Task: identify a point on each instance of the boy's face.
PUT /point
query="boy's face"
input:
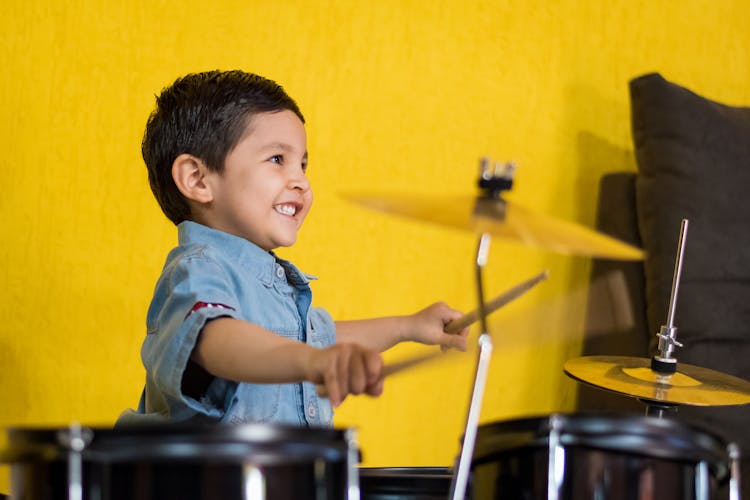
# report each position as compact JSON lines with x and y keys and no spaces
{"x":263,"y":194}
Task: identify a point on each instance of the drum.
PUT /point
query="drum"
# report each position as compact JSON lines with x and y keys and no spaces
{"x":185,"y":463}
{"x":405,"y":483}
{"x":590,"y":457}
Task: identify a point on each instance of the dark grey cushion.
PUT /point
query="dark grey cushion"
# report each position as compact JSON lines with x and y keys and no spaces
{"x":693,"y":157}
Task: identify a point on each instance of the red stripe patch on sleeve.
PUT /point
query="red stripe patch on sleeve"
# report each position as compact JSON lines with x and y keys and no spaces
{"x":201,"y":305}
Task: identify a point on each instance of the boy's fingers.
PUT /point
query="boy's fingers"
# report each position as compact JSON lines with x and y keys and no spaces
{"x":353,"y":370}
{"x":334,"y":382}
{"x":377,"y":389}
{"x":357,"y":373}
{"x":333,"y":392}
{"x":341,"y":375}
{"x":373,"y":366}
{"x":458,"y":342}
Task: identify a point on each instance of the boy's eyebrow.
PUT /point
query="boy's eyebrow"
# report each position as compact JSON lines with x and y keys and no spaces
{"x":282,"y":146}
{"x":278,"y":145}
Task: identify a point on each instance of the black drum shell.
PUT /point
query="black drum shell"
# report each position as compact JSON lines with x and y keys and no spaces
{"x":180,"y":462}
{"x":405,"y":483}
{"x":617,"y":457}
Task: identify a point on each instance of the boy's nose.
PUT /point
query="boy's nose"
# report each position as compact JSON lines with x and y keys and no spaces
{"x":298,"y":180}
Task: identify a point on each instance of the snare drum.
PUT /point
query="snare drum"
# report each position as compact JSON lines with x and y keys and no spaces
{"x":185,"y":463}
{"x":589,"y":457}
{"x":405,"y":483}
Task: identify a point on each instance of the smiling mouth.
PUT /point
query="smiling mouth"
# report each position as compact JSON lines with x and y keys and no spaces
{"x":286,"y":209}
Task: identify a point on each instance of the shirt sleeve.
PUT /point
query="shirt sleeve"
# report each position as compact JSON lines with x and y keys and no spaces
{"x":191,"y":291}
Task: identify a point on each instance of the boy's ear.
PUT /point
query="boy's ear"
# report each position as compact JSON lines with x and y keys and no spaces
{"x":189,"y":174}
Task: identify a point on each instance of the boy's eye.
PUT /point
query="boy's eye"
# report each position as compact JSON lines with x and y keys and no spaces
{"x":277,"y":159}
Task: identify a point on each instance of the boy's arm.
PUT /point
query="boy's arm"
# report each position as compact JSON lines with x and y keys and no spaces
{"x":245,"y":352}
{"x":425,"y":326}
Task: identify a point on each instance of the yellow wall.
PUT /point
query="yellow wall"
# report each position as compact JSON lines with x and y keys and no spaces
{"x":399,"y":95}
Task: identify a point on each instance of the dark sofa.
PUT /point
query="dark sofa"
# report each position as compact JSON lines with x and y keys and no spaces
{"x":693,"y":159}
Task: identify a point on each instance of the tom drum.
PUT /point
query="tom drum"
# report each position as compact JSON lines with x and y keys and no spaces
{"x":185,"y":463}
{"x":591,"y":457}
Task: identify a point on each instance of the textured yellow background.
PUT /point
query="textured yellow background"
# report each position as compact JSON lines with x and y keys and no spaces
{"x":399,"y":95}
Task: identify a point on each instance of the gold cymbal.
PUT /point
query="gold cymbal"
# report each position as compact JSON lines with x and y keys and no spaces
{"x":689,"y":385}
{"x":501,"y":218}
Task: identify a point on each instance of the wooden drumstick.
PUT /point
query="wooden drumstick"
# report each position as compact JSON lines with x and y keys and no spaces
{"x":467,"y":319}
{"x":493,"y":305}
{"x":456,"y":326}
{"x":399,"y":366}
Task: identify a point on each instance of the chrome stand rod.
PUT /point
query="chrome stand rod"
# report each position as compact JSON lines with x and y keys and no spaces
{"x":463,"y":467}
{"x":677,"y":272}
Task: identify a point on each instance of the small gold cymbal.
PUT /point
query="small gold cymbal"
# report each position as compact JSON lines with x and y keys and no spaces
{"x":501,"y":218}
{"x":689,"y":385}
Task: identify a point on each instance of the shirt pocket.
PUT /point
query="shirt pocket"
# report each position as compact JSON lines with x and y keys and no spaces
{"x":320,"y":328}
{"x":254,"y":403}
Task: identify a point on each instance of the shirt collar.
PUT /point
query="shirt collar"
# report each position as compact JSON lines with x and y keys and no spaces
{"x":242,"y":252}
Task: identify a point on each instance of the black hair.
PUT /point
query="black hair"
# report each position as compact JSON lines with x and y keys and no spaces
{"x":204,"y":115}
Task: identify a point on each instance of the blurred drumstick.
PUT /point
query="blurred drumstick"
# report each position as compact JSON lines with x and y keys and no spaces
{"x":467,"y":319}
{"x":457,"y":325}
{"x":610,"y":288}
{"x":398,"y":366}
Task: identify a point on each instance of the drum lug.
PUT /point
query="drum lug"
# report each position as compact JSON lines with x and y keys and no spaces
{"x":734,"y":468}
{"x":352,"y":470}
{"x":556,"y":459}
{"x":75,"y":439}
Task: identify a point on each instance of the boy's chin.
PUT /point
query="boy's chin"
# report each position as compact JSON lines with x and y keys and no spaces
{"x":284,"y":242}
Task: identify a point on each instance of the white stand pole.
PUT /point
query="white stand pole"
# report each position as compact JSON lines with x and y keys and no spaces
{"x":463,"y":467}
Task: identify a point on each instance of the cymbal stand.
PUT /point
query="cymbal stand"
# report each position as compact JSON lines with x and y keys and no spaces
{"x":662,"y":363}
{"x":461,"y":474}
{"x":665,"y":366}
{"x":489,"y":204}
{"x":658,"y":409}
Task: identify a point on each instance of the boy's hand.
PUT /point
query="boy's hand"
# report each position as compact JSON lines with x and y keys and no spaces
{"x":427,"y":327}
{"x":344,"y":369}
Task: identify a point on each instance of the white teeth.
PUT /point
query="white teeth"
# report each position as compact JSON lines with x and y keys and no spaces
{"x":286,"y":209}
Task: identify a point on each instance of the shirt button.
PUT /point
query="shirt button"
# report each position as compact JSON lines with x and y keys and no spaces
{"x":280,"y":272}
{"x":311,"y":411}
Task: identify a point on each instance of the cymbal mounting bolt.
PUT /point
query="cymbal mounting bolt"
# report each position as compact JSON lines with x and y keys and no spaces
{"x":494,"y":178}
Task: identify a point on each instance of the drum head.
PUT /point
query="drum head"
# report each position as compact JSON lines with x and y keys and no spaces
{"x":266,"y":444}
{"x":590,"y":456}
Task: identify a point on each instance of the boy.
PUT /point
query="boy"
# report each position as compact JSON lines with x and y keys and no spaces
{"x":232,"y":336}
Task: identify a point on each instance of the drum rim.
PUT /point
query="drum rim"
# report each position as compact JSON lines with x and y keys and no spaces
{"x":419,"y":471}
{"x":266,"y":442}
{"x":404,"y":482}
{"x":601,"y":430}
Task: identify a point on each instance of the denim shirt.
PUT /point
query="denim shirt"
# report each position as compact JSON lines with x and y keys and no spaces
{"x":214,"y":274}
